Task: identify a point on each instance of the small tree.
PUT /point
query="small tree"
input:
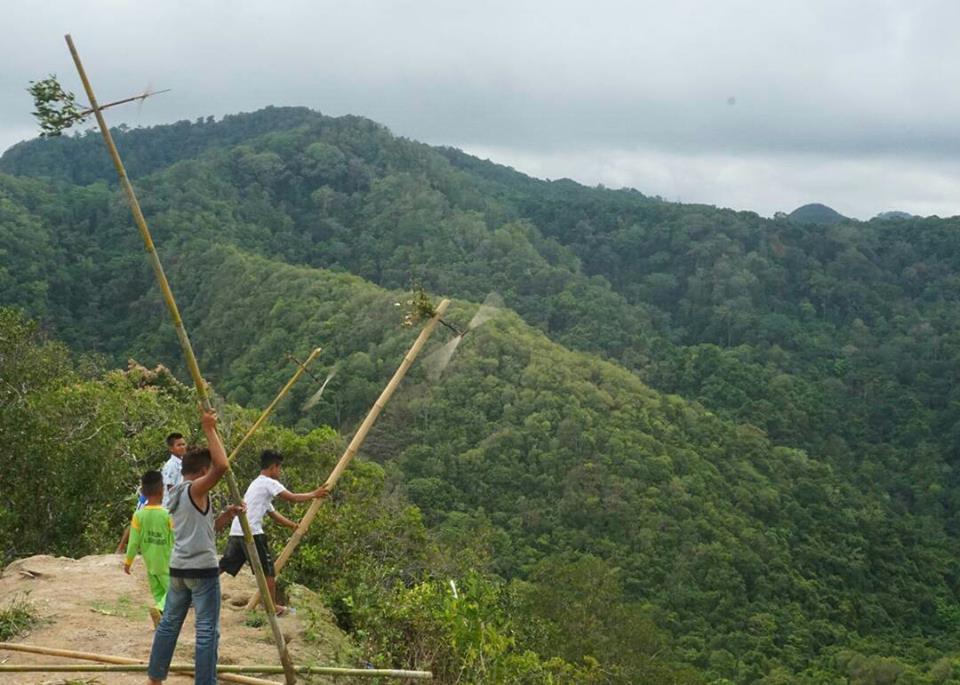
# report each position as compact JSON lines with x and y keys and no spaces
{"x":56,"y":109}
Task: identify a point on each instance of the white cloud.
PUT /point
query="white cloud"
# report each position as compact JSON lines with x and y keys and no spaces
{"x":862,"y":83}
{"x":765,"y":184}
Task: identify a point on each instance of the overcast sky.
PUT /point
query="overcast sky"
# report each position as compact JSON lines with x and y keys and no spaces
{"x":751,"y":104}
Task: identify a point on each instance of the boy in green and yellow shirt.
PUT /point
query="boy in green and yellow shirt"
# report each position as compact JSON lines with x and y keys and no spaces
{"x":151,"y":533}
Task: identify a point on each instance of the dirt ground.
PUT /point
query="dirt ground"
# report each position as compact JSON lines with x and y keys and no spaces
{"x":90,"y":605}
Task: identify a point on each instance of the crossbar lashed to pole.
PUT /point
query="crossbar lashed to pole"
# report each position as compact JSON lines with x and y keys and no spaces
{"x":189,"y":356}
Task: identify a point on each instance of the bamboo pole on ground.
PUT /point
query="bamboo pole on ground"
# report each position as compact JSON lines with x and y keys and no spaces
{"x":221,"y":669}
{"x":107,"y":658}
{"x":188,"y":354}
{"x":358,"y":439}
{"x":301,"y":368}
{"x":228,"y":671}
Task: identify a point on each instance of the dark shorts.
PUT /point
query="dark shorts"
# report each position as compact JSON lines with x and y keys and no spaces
{"x":235,"y":556}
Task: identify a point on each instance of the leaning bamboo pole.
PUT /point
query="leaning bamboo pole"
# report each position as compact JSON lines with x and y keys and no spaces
{"x":301,"y":368}
{"x":358,"y":439}
{"x":188,"y":354}
{"x":221,"y":669}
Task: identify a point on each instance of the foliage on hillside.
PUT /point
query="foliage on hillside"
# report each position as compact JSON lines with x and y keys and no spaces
{"x":76,"y":440}
{"x":805,"y":502}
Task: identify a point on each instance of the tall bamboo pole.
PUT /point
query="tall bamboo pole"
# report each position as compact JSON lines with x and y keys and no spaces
{"x":188,"y":354}
{"x":358,"y":439}
{"x":301,"y":368}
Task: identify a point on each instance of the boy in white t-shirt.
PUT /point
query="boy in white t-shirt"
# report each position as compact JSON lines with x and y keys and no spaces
{"x":259,"y":501}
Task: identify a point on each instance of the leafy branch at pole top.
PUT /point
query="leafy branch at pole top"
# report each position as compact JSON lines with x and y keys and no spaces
{"x":56,"y":109}
{"x":418,"y":308}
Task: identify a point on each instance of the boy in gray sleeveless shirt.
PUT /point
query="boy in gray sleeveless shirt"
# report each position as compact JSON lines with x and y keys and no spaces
{"x":194,"y":575}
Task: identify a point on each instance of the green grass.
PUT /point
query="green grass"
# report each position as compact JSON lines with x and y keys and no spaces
{"x":17,"y":618}
{"x":255,"y":619}
{"x":123,"y":607}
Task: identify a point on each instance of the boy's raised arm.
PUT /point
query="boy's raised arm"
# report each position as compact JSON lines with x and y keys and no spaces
{"x":218,"y":455}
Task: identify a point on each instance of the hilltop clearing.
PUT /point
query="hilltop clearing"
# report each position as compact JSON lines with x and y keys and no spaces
{"x":90,"y":605}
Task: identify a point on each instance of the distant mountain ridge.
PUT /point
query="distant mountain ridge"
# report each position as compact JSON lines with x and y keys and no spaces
{"x":81,"y":159}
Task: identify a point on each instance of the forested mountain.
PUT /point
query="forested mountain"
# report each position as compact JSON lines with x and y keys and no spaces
{"x":816,"y":213}
{"x":895,"y":214}
{"x":744,"y":428}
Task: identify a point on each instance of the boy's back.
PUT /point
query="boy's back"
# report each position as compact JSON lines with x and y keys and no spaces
{"x":195,"y":550}
{"x":151,"y":531}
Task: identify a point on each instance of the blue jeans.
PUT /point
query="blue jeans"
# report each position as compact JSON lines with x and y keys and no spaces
{"x":205,"y":595}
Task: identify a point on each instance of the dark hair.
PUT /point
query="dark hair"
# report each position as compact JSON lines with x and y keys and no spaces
{"x":151,"y":483}
{"x":270,"y":457}
{"x":195,"y":460}
{"x":172,"y":438}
